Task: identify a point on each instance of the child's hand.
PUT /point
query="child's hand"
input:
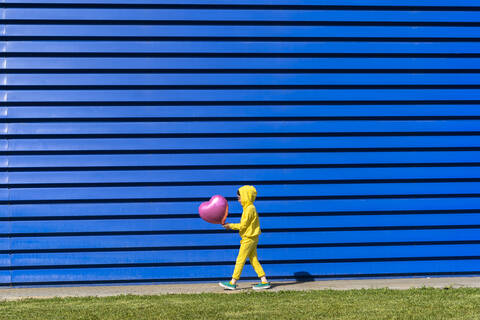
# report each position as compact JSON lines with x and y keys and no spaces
{"x":226,"y":226}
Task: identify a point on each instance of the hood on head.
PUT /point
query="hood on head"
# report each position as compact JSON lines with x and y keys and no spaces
{"x":248,"y":195}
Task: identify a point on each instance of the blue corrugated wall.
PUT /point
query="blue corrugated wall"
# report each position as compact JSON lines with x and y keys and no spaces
{"x":357,"y":121}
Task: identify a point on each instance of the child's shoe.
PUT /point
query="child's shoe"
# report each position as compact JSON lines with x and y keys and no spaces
{"x":261,"y":286}
{"x":227,"y":285}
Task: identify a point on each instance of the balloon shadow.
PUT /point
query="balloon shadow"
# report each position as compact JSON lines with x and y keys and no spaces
{"x":303,"y":276}
{"x":300,"y":277}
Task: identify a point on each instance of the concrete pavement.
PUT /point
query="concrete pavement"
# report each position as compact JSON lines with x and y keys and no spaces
{"x":103,"y":291}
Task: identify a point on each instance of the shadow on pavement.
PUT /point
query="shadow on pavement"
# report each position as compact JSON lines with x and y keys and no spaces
{"x":300,"y":277}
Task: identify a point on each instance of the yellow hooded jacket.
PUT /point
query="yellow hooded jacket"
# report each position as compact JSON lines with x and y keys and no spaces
{"x":249,"y":226}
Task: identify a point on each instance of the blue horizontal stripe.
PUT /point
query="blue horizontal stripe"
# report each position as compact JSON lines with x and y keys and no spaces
{"x":239,"y":63}
{"x":241,"y":47}
{"x":237,"y":15}
{"x":237,"y":31}
{"x":465,"y":3}
{"x":246,"y":175}
{"x":279,"y":254}
{"x":186,"y":192}
{"x":278,"y":96}
{"x":263,"y":143}
{"x":286,"y":270}
{"x":276,"y":79}
{"x":119,"y":113}
{"x":243,"y":127}
{"x":280,"y":207}
{"x":284,"y":222}
{"x":228,"y":238}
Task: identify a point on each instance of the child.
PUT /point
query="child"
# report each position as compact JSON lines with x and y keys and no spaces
{"x":249,"y":229}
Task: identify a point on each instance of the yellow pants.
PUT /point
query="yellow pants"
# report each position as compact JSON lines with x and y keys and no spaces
{"x":248,"y":248}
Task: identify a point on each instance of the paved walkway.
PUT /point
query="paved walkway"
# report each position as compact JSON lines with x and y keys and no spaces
{"x":103,"y":291}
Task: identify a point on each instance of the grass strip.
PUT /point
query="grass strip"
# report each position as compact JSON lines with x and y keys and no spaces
{"x":422,"y":303}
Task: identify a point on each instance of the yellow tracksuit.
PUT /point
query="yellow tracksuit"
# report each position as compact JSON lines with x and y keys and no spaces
{"x":249,"y":229}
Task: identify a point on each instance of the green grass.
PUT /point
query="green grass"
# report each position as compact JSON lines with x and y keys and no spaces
{"x":372,"y":304}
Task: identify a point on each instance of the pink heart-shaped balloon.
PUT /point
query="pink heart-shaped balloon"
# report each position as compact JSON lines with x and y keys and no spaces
{"x":215,"y":210}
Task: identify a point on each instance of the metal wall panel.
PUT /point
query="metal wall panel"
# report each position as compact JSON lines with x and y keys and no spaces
{"x":357,"y":121}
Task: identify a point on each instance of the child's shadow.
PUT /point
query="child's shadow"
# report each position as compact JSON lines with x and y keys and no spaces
{"x":300,"y":277}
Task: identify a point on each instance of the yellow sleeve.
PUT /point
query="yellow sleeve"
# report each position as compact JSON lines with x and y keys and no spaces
{"x":244,"y":221}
